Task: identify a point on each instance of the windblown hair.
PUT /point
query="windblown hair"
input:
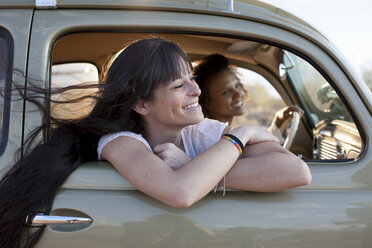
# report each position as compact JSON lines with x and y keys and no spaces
{"x":205,"y":73}
{"x":31,"y":184}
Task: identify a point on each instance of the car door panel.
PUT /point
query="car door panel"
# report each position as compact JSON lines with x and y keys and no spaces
{"x":129,"y":218}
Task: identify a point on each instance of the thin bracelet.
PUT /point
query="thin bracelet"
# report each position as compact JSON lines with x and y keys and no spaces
{"x":221,"y":187}
{"x":235,"y":141}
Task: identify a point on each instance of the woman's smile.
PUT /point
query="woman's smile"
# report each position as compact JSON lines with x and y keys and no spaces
{"x":192,"y":106}
{"x":238,"y":104}
{"x":227,"y":96}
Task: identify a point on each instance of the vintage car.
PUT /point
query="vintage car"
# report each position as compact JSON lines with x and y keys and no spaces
{"x":51,"y":43}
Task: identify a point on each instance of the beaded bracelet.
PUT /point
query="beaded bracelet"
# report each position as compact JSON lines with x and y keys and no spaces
{"x":235,"y":141}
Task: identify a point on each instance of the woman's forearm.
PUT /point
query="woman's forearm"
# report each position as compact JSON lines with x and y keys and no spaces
{"x":205,"y":170}
{"x":196,"y":178}
{"x":270,"y":171}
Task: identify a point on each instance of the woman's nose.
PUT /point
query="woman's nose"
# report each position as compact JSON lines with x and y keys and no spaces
{"x":194,"y":89}
{"x":238,"y":93}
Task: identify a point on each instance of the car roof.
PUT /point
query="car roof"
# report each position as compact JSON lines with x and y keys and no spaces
{"x":245,"y":9}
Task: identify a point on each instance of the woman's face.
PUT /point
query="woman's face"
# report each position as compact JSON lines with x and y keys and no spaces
{"x":176,"y":104}
{"x":226,"y":96}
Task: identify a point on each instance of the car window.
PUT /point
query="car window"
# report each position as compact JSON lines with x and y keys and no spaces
{"x":335,"y":135}
{"x":317,"y":95}
{"x":324,"y":130}
{"x":263,"y":100}
{"x":6,"y":61}
{"x":69,"y":74}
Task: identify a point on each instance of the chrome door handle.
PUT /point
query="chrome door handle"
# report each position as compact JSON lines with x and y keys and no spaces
{"x":41,"y":219}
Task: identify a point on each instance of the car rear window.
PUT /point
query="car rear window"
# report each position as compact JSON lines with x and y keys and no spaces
{"x":6,"y":67}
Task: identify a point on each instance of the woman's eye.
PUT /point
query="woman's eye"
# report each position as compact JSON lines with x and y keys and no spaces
{"x":226,"y":92}
{"x":238,"y":85}
{"x":178,"y":86}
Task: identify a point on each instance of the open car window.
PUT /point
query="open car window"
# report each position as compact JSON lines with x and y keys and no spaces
{"x":316,"y":94}
{"x":69,"y":74}
{"x":335,"y":135}
{"x":326,"y":131}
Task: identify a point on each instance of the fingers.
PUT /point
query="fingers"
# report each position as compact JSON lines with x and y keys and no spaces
{"x":260,"y":134}
{"x":271,"y":137}
{"x":166,"y":150}
{"x":164,"y":155}
{"x":158,"y":148}
{"x":163,"y":147}
{"x":161,"y":151}
{"x":171,"y":155}
{"x":274,"y":139}
{"x":288,"y":111}
{"x":294,"y":108}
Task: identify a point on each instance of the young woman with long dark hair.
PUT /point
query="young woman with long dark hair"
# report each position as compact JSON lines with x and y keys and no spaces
{"x":148,"y":124}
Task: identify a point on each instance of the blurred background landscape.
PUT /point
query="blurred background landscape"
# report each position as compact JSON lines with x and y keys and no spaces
{"x":347,"y":23}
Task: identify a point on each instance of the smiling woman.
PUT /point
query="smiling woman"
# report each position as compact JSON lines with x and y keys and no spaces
{"x":223,"y":95}
{"x":148,"y":124}
{"x":174,"y":104}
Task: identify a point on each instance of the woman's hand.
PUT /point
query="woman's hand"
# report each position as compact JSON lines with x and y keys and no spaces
{"x":173,"y":156}
{"x":250,"y":134}
{"x":283,"y":116}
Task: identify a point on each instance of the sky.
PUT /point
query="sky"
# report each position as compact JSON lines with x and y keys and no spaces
{"x":347,"y":23}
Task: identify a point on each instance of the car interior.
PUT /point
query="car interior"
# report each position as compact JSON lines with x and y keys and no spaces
{"x":275,"y":77}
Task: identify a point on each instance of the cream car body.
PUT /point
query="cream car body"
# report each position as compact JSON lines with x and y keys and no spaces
{"x":335,"y":210}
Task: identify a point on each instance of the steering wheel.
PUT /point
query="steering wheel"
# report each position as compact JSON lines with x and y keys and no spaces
{"x":291,"y":133}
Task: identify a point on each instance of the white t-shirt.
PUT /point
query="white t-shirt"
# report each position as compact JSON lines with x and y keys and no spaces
{"x":196,"y":138}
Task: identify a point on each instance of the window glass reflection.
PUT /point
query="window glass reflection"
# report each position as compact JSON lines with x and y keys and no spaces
{"x":315,"y":92}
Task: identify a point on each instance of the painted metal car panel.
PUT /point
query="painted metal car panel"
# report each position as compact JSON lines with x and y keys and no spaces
{"x":17,"y":24}
{"x":333,"y":211}
{"x":302,"y":218}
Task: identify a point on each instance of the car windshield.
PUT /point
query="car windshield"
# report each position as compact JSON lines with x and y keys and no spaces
{"x":316,"y":94}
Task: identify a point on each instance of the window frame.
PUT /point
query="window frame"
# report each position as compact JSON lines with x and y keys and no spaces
{"x":315,"y":50}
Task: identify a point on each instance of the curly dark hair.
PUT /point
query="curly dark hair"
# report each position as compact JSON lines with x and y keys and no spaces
{"x":205,"y":73}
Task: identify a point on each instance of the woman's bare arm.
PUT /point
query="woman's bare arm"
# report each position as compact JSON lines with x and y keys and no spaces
{"x":178,"y":188}
{"x":188,"y":184}
{"x":267,"y":167}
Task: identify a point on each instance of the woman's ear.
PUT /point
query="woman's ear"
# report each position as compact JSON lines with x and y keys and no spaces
{"x":141,"y":107}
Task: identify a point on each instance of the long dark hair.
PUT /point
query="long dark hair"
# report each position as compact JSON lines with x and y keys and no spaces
{"x":31,"y":184}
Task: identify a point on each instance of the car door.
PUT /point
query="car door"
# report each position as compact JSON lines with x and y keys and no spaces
{"x":333,"y":211}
